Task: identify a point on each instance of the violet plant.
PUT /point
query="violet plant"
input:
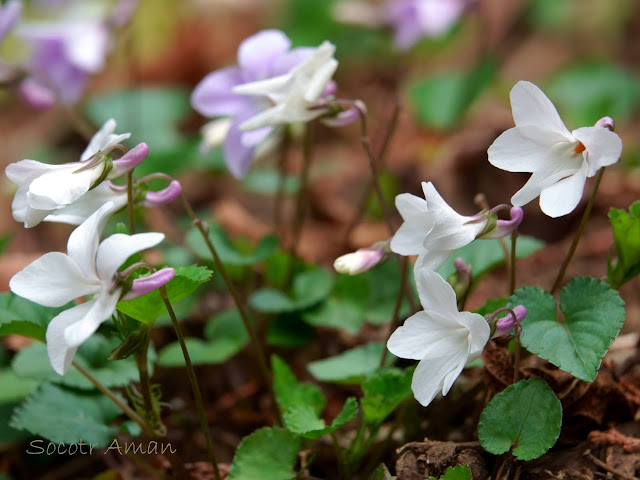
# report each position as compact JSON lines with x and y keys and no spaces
{"x":103,"y":290}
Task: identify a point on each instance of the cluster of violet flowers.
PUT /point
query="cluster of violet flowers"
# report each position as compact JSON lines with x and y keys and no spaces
{"x":66,"y":49}
{"x":82,"y":193}
{"x":443,"y":339}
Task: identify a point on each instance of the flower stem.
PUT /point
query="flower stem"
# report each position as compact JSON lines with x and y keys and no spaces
{"x":576,"y":238}
{"x":512,"y":264}
{"x":283,"y":162}
{"x":259,"y":353}
{"x":132,"y":222}
{"x":195,"y":387}
{"x":152,"y":417}
{"x":516,"y":354}
{"x":395,"y":322}
{"x":128,"y":411}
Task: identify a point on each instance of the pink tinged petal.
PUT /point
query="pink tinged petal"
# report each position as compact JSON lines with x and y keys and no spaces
{"x":114,"y":251}
{"x":257,"y":53}
{"x":432,"y":372}
{"x":505,"y":227}
{"x":237,"y":155}
{"x":88,"y":204}
{"x":60,"y":353}
{"x":104,"y":304}
{"x":213,"y":96}
{"x":36,"y":94}
{"x":254,"y":137}
{"x":417,"y":224}
{"x":142,"y":286}
{"x":359,"y":261}
{"x":53,"y":280}
{"x":104,"y":139}
{"x":63,"y":186}
{"x":530,"y":106}
{"x":435,"y":293}
{"x":9,"y":16}
{"x":603,"y":147}
{"x":129,"y":160}
{"x":342,"y":119}
{"x":420,"y":332}
{"x":479,"y":332}
{"x":564,"y":196}
{"x":523,"y":149}
{"x":606,"y":122}
{"x":82,"y":245}
{"x":167,"y":195}
{"x":505,"y":324}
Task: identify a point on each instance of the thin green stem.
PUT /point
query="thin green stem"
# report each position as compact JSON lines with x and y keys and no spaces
{"x":240,"y":305}
{"x":512,"y":265}
{"x":339,"y":456}
{"x":576,"y":238}
{"x":395,"y":319}
{"x":132,"y":221}
{"x":151,"y":414}
{"x":195,"y":387}
{"x":128,"y":411}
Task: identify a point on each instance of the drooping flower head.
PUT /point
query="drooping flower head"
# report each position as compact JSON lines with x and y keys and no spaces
{"x":433,"y":230}
{"x":362,"y":259}
{"x":443,"y":339}
{"x":272,"y":84}
{"x":560,"y":160}
{"x":89,"y":268}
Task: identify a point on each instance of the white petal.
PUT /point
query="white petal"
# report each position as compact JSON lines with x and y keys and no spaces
{"x":87,"y":47}
{"x":563,"y":197}
{"x":64,"y":185}
{"x":115,"y":250}
{"x":82,"y":245}
{"x":523,"y":149}
{"x":432,"y":259}
{"x":435,"y":293}
{"x":422,"y":329}
{"x":22,"y":173}
{"x":275,"y":86}
{"x":479,"y":332}
{"x":532,"y":107}
{"x":604,"y":147}
{"x":103,"y":307}
{"x":53,"y":280}
{"x":60,"y":353}
{"x":103,"y":139}
{"x":430,"y":375}
{"x":88,"y":204}
{"x":417,"y":224}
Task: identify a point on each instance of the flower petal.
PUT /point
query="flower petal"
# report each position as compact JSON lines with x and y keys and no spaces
{"x":62,"y":185}
{"x":564,"y":196}
{"x":82,"y":245}
{"x":144,"y":285}
{"x":523,"y":149}
{"x":86,"y":46}
{"x":530,"y":106}
{"x":9,"y":15}
{"x":479,"y":332}
{"x":257,"y":54}
{"x":435,"y":293}
{"x":103,"y":306}
{"x":237,"y":155}
{"x":88,"y":204}
{"x":115,"y":250}
{"x":104,"y":139}
{"x":429,"y":377}
{"x":60,"y":353}
{"x":213,"y":96}
{"x":410,"y":236}
{"x":432,"y":259}
{"x":604,"y":147}
{"x":53,"y":280}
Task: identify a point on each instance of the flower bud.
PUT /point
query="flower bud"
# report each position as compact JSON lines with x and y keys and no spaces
{"x":343,"y":118}
{"x":36,"y":95}
{"x":144,"y":285}
{"x":505,"y":324}
{"x":362,"y":260}
{"x":503,"y":228}
{"x":169,"y":194}
{"x":129,"y":160}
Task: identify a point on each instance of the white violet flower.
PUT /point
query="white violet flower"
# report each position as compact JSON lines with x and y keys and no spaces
{"x":560,"y":160}
{"x":441,"y":337}
{"x":292,"y":95}
{"x":433,"y":230}
{"x":88,"y":268}
{"x":43,"y":189}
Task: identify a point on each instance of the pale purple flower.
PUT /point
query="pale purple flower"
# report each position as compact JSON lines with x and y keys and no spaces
{"x":267,"y":55}
{"x":89,"y":268}
{"x":505,"y":324}
{"x":9,"y":15}
{"x":412,"y":20}
{"x":362,"y":259}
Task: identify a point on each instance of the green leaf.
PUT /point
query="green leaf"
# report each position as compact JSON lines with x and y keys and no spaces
{"x":487,"y":255}
{"x":19,"y":316}
{"x":289,"y":331}
{"x":290,"y":393}
{"x":15,"y":388}
{"x":335,"y":313}
{"x":626,"y":237}
{"x":33,"y":362}
{"x":593,"y":315}
{"x":525,"y":418}
{"x":266,"y":454}
{"x":459,"y":472}
{"x":351,"y":366}
{"x":381,"y":473}
{"x":225,"y":336}
{"x":586,"y":91}
{"x":303,"y":420}
{"x":149,"y":307}
{"x":228,"y":253}
{"x":267,"y":182}
{"x":384,"y":284}
{"x":440,"y":100}
{"x":64,"y":416}
{"x":309,"y":288}
{"x":384,"y":390}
